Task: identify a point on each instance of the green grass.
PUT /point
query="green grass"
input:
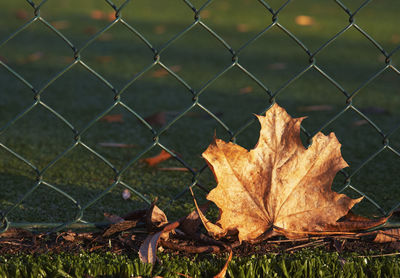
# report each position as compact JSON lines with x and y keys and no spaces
{"x":118,"y":55}
{"x":303,"y":264}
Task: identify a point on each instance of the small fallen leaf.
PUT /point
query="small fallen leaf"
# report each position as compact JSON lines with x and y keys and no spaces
{"x":148,"y":249}
{"x":161,"y":72}
{"x":113,"y":218}
{"x":304,"y":20}
{"x":246,"y":90}
{"x":60,"y":24}
{"x":33,"y":57}
{"x":155,"y":218}
{"x":97,"y":14}
{"x":190,"y":224}
{"x":116,"y":145}
{"x":113,"y":118}
{"x":242,"y":28}
{"x":391,"y":235}
{"x":160,"y":29}
{"x":154,"y":160}
{"x":96,"y":247}
{"x":126,"y":194}
{"x":88,"y":236}
{"x":21,"y":14}
{"x":16,"y":233}
{"x":158,"y":119}
{"x":120,"y":227}
{"x":314,"y":108}
{"x":69,"y":236}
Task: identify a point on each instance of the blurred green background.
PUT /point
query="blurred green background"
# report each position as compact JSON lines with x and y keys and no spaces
{"x":38,"y":54}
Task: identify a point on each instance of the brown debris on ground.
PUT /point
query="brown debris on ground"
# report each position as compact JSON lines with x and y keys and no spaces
{"x":15,"y":241}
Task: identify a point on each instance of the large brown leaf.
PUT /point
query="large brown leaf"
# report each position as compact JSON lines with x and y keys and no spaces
{"x":279,"y":185}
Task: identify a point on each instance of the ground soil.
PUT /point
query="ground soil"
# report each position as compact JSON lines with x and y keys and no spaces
{"x":17,"y":241}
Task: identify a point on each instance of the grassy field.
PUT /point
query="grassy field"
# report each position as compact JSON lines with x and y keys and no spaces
{"x":305,"y":264}
{"x":38,"y":54}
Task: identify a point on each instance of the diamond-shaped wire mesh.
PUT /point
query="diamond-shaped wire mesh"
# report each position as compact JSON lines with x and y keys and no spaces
{"x":271,"y":60}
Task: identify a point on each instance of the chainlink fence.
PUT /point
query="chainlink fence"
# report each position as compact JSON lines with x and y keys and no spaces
{"x":193,"y":95}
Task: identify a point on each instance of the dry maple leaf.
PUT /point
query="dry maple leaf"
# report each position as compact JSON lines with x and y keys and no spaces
{"x":279,"y":185}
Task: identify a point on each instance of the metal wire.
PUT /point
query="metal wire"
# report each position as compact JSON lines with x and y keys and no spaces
{"x":196,"y":95}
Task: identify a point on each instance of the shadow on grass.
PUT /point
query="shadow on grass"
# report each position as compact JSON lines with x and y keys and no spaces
{"x":80,"y":97}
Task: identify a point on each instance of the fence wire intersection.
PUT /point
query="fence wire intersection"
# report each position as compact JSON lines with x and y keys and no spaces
{"x":192,"y":93}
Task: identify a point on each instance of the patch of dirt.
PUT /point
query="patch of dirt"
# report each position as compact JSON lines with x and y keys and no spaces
{"x":22,"y":241}
{"x":15,"y":241}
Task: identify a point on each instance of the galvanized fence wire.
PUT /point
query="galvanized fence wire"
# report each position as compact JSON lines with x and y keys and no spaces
{"x":195,"y":96}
